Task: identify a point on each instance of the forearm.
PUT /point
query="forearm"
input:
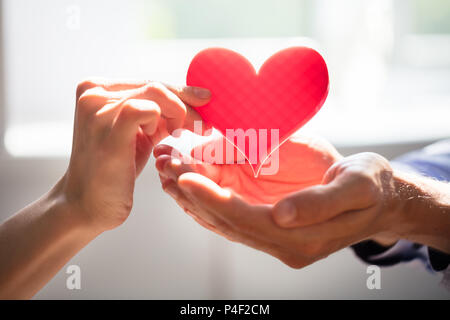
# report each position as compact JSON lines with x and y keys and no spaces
{"x":36,"y":242}
{"x":425,"y":214}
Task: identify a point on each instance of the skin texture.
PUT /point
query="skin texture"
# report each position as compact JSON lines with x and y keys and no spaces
{"x":308,"y":215}
{"x":117,"y":124}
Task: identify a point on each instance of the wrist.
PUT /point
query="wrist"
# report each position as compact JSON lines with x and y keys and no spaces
{"x":70,"y":212}
{"x":423,"y":210}
{"x":45,"y":235}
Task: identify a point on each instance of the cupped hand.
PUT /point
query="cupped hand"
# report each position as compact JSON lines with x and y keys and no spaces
{"x":116,"y":126}
{"x":302,"y":162}
{"x":352,"y":199}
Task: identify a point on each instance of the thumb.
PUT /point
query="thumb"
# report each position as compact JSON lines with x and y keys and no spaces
{"x":319,"y":203}
{"x":193,"y":96}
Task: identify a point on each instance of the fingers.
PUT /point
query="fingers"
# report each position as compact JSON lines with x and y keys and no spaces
{"x":207,"y":192}
{"x":90,"y":101}
{"x":231,"y":216}
{"x":105,"y":97}
{"x":134,"y":114}
{"x":228,"y":215}
{"x":171,"y":163}
{"x":108,"y":85}
{"x":194,"y":123}
{"x":193,"y":96}
{"x":250,"y":219}
{"x":202,"y":196}
{"x":171,"y":187}
{"x":218,"y":151}
{"x":321,"y":203}
{"x":213,"y":223}
{"x":172,"y":108}
{"x":144,"y":147}
{"x":95,"y":96}
{"x":198,"y":181}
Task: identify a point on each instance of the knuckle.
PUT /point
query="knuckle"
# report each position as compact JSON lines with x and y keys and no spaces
{"x":133,"y":111}
{"x":161,"y":93}
{"x":129,"y":110}
{"x":375,"y":157}
{"x":85,"y":85}
{"x":128,"y":105}
{"x":331,"y":172}
{"x":151,"y":109}
{"x":87,"y":94}
{"x":86,"y":100}
{"x":156,"y":88}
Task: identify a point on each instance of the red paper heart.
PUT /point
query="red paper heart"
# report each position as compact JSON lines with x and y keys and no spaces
{"x":289,"y":89}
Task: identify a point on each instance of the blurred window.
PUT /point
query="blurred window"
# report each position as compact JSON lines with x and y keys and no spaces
{"x":378,"y":52}
{"x":430,"y":17}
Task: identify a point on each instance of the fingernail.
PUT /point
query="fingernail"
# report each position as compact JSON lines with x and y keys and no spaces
{"x":286,"y":212}
{"x":201,"y":93}
{"x":172,"y":191}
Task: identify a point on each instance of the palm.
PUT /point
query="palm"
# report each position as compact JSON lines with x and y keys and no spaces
{"x":303,"y":163}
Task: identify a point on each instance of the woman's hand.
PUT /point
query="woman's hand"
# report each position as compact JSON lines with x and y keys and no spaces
{"x":116,"y":126}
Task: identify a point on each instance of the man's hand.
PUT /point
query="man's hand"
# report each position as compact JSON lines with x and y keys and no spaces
{"x":356,"y":198}
{"x":229,"y":200}
{"x":361,"y":186}
{"x":116,"y":126}
{"x":302,"y":163}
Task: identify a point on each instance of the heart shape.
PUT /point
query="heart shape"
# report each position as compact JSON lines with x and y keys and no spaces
{"x":289,"y":89}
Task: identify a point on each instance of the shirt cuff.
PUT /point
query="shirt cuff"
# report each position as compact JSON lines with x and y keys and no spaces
{"x":439,"y":260}
{"x":372,"y":252}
